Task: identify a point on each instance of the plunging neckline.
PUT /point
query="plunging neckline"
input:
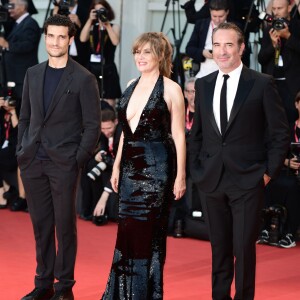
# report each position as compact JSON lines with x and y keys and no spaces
{"x":146,"y":104}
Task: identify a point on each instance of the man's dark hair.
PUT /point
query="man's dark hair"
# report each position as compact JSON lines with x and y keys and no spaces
{"x":59,"y":20}
{"x":231,"y":26}
{"x":108,"y":115}
{"x":219,"y":5}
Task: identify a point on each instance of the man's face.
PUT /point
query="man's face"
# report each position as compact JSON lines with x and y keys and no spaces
{"x":189,"y":94}
{"x":108,"y":128}
{"x":57,"y":41}
{"x":281,"y":9}
{"x":226,"y":51}
{"x":18,"y":10}
{"x":218,"y":16}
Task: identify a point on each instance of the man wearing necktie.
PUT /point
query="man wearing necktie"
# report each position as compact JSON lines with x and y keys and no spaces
{"x":20,"y":45}
{"x":238,"y":143}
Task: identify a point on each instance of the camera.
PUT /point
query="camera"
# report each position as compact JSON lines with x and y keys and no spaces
{"x":101,"y":14}
{"x":277,"y":24}
{"x":64,"y":6}
{"x":101,"y":166}
{"x":100,"y":220}
{"x":4,"y":11}
{"x":275,"y":218}
{"x":295,"y":151}
{"x":11,"y":101}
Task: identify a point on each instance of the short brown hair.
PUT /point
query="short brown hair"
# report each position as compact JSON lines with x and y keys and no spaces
{"x":161,"y":48}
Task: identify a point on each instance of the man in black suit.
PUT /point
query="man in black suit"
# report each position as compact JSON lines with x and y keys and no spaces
{"x":58,"y":130}
{"x":20,"y":45}
{"x":238,"y":143}
{"x":280,"y":55}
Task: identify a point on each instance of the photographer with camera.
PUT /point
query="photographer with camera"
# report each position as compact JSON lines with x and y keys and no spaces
{"x":95,"y":179}
{"x":283,"y":194}
{"x":78,"y":12}
{"x":8,"y":141}
{"x":280,"y":53}
{"x":104,"y":38}
{"x":20,"y":46}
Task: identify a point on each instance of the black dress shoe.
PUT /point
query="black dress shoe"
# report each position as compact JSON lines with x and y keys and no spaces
{"x":39,"y":294}
{"x":11,"y":194}
{"x":19,"y":205}
{"x":2,"y":206}
{"x":63,"y":295}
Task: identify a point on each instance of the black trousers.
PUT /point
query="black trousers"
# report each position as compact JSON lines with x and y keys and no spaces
{"x":233,"y":218}
{"x":50,"y":194}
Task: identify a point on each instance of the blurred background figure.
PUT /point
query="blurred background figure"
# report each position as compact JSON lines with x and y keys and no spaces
{"x":182,"y":207}
{"x":8,"y":142}
{"x":104,"y":37}
{"x":19,"y":46}
{"x":78,"y":12}
{"x":199,"y":47}
{"x":95,"y":178}
{"x":279,"y":55}
{"x":282,"y":208}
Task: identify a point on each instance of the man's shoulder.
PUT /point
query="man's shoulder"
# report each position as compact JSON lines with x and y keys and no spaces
{"x":30,"y":21}
{"x":37,"y":67}
{"x":255,"y":74}
{"x":78,"y":68}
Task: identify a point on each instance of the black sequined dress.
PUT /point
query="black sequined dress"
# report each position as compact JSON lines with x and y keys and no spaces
{"x":147,"y":174}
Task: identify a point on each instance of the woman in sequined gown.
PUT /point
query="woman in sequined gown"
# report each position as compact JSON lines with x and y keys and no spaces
{"x":149,"y":172}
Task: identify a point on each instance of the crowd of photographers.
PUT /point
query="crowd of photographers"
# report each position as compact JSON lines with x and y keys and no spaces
{"x":94,"y":47}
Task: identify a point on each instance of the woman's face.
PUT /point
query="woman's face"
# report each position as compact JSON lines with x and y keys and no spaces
{"x":98,"y":6}
{"x":145,"y":59}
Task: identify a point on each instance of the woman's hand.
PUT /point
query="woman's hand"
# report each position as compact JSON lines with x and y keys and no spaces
{"x":93,"y":15}
{"x":114,"y":180}
{"x":179,"y":188}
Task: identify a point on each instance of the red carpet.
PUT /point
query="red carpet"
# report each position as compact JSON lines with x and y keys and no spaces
{"x":187,"y":271}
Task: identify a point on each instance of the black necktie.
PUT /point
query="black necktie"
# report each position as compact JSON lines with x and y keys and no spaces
{"x":223,"y":105}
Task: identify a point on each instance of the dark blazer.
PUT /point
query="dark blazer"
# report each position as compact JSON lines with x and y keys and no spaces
{"x":256,"y":138}
{"x":23,"y":51}
{"x":290,"y":55}
{"x":71,"y":127}
{"x":195,"y":45}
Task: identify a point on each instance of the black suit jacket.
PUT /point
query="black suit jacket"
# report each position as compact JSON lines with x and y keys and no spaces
{"x":70,"y":129}
{"x":256,"y":138}
{"x":195,"y":45}
{"x":23,"y":51}
{"x":290,"y":55}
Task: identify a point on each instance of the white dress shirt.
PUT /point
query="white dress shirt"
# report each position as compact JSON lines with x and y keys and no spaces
{"x":232,"y":85}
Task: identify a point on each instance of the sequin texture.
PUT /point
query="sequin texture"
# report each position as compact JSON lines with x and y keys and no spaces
{"x":147,"y":174}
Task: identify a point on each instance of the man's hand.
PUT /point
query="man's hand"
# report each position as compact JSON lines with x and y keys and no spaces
{"x":3,"y":43}
{"x":207,"y":53}
{"x":267,"y":179}
{"x":274,"y":37}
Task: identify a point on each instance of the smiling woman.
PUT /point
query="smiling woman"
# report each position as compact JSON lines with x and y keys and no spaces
{"x":148,"y":173}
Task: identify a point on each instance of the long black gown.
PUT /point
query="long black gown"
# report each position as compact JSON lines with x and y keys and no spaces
{"x":147,"y":174}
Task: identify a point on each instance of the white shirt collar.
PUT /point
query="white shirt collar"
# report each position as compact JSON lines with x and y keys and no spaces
{"x":20,"y":19}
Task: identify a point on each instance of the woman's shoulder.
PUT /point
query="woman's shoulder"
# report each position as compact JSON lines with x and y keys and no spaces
{"x":171,"y":86}
{"x":131,"y":81}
